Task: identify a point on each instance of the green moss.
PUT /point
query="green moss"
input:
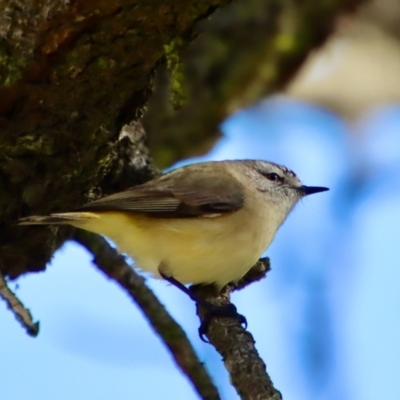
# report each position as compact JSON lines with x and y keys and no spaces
{"x":105,"y":63}
{"x":285,"y":43}
{"x":175,"y":67}
{"x":164,"y":155}
{"x":35,"y":144}
{"x":11,"y":69}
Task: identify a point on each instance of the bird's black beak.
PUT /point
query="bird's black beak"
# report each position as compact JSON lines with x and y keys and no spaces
{"x":306,"y":190}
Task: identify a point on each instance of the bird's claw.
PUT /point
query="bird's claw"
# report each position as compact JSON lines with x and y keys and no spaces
{"x":227,"y":311}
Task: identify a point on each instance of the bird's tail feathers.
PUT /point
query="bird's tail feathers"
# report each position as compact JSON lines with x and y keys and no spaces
{"x":59,"y":218}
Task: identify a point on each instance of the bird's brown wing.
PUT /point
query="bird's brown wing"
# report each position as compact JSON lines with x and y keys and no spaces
{"x":177,"y":195}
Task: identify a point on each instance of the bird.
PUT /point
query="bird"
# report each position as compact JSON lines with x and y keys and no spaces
{"x":204,"y":223}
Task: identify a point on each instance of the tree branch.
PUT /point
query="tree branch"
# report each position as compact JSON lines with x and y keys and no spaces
{"x":114,"y":266}
{"x":256,"y":273}
{"x":22,"y":314}
{"x":236,"y":345}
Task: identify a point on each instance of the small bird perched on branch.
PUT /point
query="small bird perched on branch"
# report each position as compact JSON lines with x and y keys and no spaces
{"x":205,"y":223}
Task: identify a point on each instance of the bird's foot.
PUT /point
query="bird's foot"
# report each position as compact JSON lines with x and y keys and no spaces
{"x":226,"y":311}
{"x":212,"y":310}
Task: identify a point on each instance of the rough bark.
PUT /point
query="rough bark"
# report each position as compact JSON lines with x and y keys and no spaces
{"x":71,"y":74}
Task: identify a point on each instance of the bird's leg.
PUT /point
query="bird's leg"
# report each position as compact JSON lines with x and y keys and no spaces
{"x":180,"y":286}
{"x":212,"y":310}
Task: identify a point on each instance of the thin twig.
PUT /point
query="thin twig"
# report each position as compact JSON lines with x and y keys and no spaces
{"x":236,"y":345}
{"x":256,"y":273}
{"x":22,"y":314}
{"x":114,"y":266}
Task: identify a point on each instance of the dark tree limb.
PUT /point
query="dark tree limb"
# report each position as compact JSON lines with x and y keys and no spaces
{"x":22,"y":314}
{"x":236,"y":345}
{"x":114,"y":266}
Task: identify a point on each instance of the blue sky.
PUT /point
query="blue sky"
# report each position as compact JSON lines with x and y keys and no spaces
{"x":326,"y":319}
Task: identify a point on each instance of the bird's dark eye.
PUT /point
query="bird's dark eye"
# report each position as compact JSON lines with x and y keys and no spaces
{"x":273,"y":177}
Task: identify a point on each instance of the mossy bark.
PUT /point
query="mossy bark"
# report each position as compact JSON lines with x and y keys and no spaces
{"x":72,"y":74}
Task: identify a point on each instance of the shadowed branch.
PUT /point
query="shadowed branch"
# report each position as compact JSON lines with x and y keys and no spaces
{"x":114,"y":266}
{"x":236,"y":345}
{"x":22,"y":314}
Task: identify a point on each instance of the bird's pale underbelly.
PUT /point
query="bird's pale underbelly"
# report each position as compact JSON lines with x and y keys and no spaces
{"x":199,"y":251}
